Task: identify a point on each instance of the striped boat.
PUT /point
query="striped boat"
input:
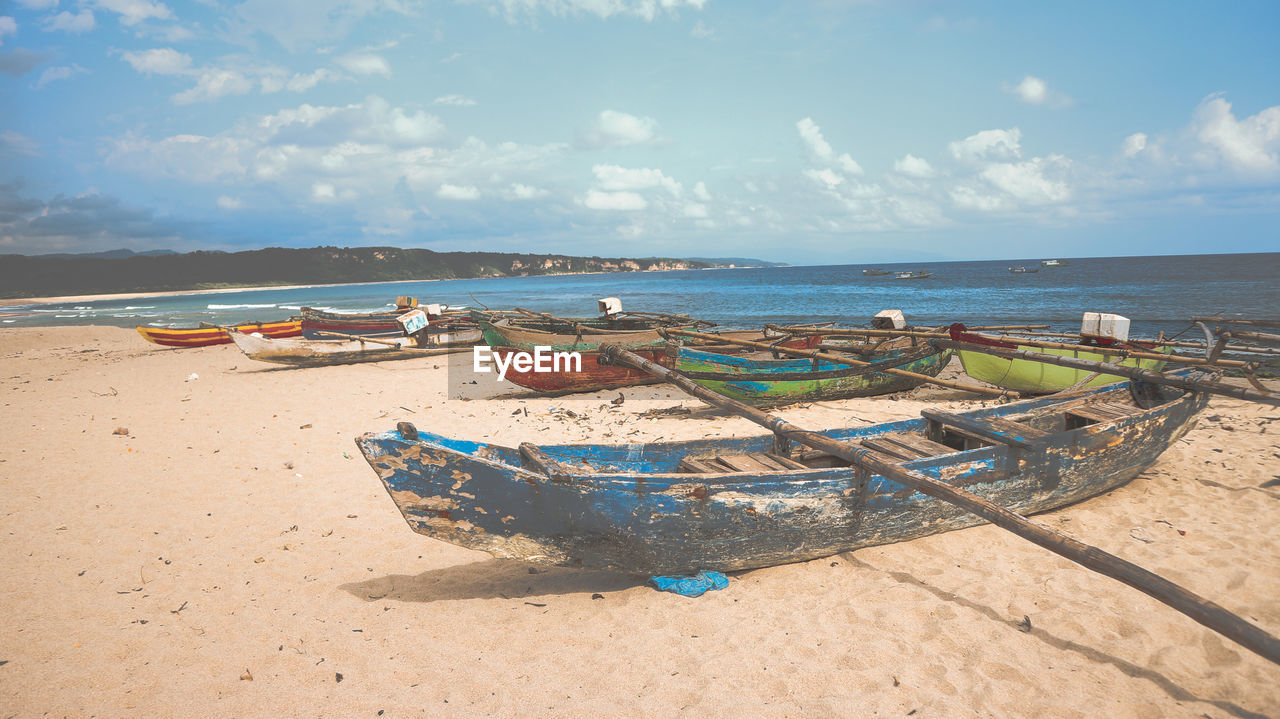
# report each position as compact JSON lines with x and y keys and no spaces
{"x":206,"y":336}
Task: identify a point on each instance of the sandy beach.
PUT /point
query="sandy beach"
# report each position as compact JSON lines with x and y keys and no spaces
{"x":191,"y":533}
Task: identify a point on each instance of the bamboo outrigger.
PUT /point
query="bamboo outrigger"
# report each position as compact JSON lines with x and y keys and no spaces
{"x":1015,"y":437}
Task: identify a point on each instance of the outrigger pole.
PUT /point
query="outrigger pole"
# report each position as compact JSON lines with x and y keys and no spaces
{"x":1198,"y":608}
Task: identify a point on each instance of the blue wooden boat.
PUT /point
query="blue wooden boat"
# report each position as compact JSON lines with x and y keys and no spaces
{"x":739,"y":503}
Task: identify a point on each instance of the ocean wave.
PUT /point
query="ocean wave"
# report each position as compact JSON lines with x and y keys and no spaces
{"x":239,"y":307}
{"x":141,"y":307}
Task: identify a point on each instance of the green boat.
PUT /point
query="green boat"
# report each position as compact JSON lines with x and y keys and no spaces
{"x":1022,"y":375}
{"x":759,"y":380}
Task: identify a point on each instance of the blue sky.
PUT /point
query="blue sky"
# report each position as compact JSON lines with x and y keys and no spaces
{"x":809,"y":132}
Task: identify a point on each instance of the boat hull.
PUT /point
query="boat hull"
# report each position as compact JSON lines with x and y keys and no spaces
{"x":593,"y":376}
{"x":321,"y":353}
{"x":1022,"y":375}
{"x":208,"y":336}
{"x":767,"y":383}
{"x":513,"y":335}
{"x":635,"y":513}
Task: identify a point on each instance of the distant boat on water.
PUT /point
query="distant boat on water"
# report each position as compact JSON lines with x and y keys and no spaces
{"x":875,"y":273}
{"x":1023,"y":270}
{"x":913,"y":275}
{"x":1054,"y":263}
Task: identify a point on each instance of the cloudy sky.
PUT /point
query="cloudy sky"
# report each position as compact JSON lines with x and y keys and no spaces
{"x":814,"y":132}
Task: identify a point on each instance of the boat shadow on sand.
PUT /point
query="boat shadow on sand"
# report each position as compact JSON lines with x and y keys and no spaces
{"x":1128,"y":668}
{"x":490,"y":579}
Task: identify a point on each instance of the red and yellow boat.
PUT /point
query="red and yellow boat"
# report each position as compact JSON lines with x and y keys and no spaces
{"x":206,"y":336}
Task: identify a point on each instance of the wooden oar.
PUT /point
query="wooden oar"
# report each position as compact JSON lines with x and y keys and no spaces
{"x":324,"y":333}
{"x":1137,"y":373}
{"x":840,"y":359}
{"x":1198,"y":608}
{"x":1229,"y":321}
{"x":1178,"y":359}
{"x":1168,"y":343}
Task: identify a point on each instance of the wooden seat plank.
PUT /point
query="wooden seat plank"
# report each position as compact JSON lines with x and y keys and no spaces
{"x":743,"y":463}
{"x":884,"y":446}
{"x":926,"y":447}
{"x":992,"y":429}
{"x":786,"y":462}
{"x":1120,"y":410}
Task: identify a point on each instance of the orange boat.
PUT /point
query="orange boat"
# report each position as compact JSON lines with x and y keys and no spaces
{"x":206,"y":336}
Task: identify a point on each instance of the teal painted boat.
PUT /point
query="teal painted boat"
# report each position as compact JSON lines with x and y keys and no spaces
{"x":765,"y":382}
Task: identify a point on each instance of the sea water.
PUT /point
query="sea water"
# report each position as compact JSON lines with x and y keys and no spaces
{"x":1155,"y":293}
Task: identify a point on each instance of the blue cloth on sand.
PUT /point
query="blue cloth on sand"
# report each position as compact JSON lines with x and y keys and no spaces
{"x":690,"y":586}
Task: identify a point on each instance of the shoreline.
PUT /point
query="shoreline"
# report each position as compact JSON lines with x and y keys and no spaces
{"x":21,"y":301}
{"x":16,"y":302}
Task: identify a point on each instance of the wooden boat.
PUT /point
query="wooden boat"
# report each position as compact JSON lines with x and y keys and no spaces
{"x":213,"y":335}
{"x":1054,"y":263}
{"x":1037,"y":377}
{"x":314,"y":320}
{"x":875,"y":273}
{"x":319,"y":353}
{"x":575,"y":335}
{"x":920,"y":275}
{"x":1020,"y":270}
{"x":739,"y":503}
{"x":763,"y":381}
{"x":592,"y":376}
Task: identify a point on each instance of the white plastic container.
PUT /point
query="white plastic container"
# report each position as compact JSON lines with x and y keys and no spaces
{"x":609,"y":305}
{"x":432,"y":310}
{"x":889,"y":320}
{"x":1101,"y":324}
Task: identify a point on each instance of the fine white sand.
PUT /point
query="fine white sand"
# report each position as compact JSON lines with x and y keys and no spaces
{"x":231,"y":554}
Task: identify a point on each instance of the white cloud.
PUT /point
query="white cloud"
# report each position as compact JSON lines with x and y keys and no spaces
{"x":988,"y":145}
{"x":811,"y":134}
{"x":300,"y":82}
{"x":1133,"y":144}
{"x":458,"y":192}
{"x":230,"y":203}
{"x":365,"y":64}
{"x":215,"y":83}
{"x":132,"y":12}
{"x":66,"y":22}
{"x":613,"y":177}
{"x":1250,"y":145}
{"x":1030,"y":182}
{"x":598,"y":200}
{"x":8,"y":26}
{"x":618,"y":129}
{"x":969,"y":197}
{"x":301,"y":24}
{"x":519,"y":191}
{"x":913,"y":166}
{"x":457,"y":100}
{"x":38,"y":4}
{"x":1035,"y":91}
{"x":62,"y":72}
{"x":15,"y":143}
{"x":701,"y":31}
{"x":700,"y":192}
{"x":159,"y":61}
{"x":1032,"y":90}
{"x":847,"y":164}
{"x":646,"y":10}
{"x":826,"y":177}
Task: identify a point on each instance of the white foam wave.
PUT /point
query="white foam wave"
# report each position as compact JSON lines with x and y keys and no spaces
{"x":239,"y":307}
